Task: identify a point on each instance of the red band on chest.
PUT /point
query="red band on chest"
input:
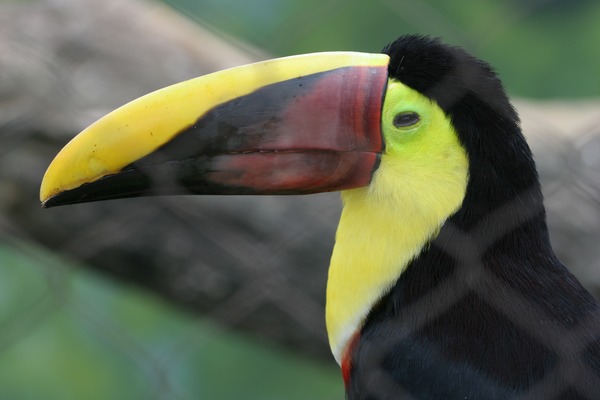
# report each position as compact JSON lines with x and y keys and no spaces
{"x":347,"y":358}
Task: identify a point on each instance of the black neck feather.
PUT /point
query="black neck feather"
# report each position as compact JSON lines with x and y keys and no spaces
{"x":464,"y":319}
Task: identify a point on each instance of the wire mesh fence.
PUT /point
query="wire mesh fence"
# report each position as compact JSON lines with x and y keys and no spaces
{"x":256,"y":265}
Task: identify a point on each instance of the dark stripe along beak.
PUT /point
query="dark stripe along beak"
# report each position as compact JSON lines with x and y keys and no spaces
{"x":293,"y":125}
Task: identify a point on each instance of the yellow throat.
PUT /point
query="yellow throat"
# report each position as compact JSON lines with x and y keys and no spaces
{"x":420,"y":182}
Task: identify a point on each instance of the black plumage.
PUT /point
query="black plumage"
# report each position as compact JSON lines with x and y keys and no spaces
{"x":486,"y":311}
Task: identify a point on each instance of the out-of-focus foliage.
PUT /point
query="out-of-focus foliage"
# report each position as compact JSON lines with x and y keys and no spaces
{"x":546,"y":48}
{"x":90,"y":339}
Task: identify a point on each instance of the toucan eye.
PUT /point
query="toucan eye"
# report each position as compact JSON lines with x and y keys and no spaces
{"x":404,"y":119}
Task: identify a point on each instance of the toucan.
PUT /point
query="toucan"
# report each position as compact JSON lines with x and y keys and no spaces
{"x":442,"y":282}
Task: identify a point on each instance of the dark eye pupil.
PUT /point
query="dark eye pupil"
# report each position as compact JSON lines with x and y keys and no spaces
{"x":406,"y":119}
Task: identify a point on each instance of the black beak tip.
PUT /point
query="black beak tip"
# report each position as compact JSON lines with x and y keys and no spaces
{"x":65,"y":198}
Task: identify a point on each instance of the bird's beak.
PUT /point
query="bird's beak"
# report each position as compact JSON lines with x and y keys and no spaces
{"x":292,"y":125}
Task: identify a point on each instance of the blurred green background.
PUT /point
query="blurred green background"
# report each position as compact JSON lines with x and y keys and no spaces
{"x":128,"y":348}
{"x":90,"y":338}
{"x":542,"y":48}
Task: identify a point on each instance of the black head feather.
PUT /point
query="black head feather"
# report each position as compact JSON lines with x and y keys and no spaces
{"x":466,"y":317}
{"x":470,"y":93}
{"x":449,"y":75}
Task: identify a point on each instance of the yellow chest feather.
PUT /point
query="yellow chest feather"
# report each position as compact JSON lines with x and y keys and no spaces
{"x":383,"y":227}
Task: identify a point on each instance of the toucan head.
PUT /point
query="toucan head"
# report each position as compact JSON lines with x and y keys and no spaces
{"x":296,"y":125}
{"x":414,"y":136}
